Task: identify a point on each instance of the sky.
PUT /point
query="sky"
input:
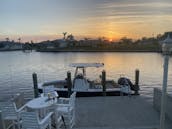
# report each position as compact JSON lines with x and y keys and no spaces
{"x":39,"y":20}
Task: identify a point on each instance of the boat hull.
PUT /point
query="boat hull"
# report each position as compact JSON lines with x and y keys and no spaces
{"x":64,"y":93}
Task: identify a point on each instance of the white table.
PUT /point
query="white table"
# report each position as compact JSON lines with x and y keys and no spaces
{"x":41,"y":104}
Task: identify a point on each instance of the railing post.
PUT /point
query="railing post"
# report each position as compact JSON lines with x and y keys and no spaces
{"x":164,"y":93}
{"x":2,"y":125}
{"x":35,"y":84}
{"x":137,"y":72}
{"x":69,"y":83}
{"x":104,"y":82}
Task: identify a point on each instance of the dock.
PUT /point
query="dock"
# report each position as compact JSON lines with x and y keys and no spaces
{"x":119,"y":112}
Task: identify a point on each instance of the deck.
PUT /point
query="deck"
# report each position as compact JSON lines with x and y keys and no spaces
{"x":119,"y":112}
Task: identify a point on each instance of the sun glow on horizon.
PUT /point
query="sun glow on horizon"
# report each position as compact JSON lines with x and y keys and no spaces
{"x":112,"y":19}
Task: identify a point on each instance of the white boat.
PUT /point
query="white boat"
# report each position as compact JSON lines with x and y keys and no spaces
{"x":86,"y":87}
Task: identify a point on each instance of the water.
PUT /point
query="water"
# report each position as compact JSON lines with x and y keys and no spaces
{"x":16,"y":68}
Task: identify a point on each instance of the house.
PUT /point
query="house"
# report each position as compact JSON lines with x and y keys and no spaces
{"x":62,"y":43}
{"x":6,"y":45}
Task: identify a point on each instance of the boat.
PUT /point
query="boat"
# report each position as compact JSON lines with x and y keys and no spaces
{"x":85,"y":87}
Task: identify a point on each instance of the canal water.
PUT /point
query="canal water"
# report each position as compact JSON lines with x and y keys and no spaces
{"x":16,"y":67}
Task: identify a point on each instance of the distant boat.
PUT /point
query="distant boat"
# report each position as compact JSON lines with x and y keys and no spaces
{"x":86,"y":87}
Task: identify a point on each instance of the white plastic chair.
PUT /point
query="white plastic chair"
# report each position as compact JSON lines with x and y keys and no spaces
{"x":67,"y":110}
{"x":28,"y":93}
{"x":30,"y":120}
{"x":57,"y":118}
{"x":10,"y":112}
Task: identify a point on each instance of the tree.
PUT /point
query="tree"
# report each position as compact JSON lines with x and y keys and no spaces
{"x":159,"y":37}
{"x":7,"y":39}
{"x":144,"y":38}
{"x":126,"y":40}
{"x":64,"y":34}
{"x":86,"y":38}
{"x":2,"y":45}
{"x":70,"y":37}
{"x":19,"y":39}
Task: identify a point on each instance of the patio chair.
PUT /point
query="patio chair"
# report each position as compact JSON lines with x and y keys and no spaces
{"x":67,"y":110}
{"x":57,"y":118}
{"x":27,"y":92}
{"x":30,"y":120}
{"x":11,"y":113}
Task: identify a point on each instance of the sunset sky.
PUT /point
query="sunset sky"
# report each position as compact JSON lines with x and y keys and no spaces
{"x":46,"y":19}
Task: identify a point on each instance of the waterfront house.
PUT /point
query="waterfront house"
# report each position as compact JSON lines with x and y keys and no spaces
{"x":6,"y":45}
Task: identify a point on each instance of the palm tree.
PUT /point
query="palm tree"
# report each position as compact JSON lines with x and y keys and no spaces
{"x":19,"y":39}
{"x":64,"y":33}
{"x":86,"y":38}
{"x":70,"y":37}
{"x":7,"y":39}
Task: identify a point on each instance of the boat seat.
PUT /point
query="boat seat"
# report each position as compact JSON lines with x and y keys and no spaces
{"x":81,"y":84}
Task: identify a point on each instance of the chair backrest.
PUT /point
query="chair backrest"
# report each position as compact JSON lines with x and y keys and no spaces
{"x":72,"y":99}
{"x":29,"y":120}
{"x":27,"y":92}
{"x":8,"y":109}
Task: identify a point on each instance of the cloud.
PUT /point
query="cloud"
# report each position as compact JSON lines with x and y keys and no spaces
{"x":89,"y":17}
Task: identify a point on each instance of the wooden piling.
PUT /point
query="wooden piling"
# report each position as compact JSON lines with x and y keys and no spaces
{"x":69,"y":83}
{"x":104,"y":82}
{"x":35,"y":84}
{"x":137,"y":72}
{"x":2,"y":125}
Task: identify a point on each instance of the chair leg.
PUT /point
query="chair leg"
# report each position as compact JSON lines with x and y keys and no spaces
{"x":74,"y":117}
{"x":4,"y":124}
{"x":13,"y":124}
{"x":50,"y":125}
{"x":18,"y":123}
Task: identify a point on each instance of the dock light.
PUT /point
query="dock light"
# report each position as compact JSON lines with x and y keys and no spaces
{"x":167,"y":50}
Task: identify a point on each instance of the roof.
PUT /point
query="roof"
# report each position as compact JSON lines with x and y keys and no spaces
{"x":83,"y":65}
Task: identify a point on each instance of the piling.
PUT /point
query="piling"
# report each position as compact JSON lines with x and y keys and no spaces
{"x":104,"y":82}
{"x":137,"y":72}
{"x":35,"y":84}
{"x":69,"y":83}
{"x":2,"y":125}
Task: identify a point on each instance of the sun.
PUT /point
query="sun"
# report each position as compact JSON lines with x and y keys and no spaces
{"x":110,"y":39}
